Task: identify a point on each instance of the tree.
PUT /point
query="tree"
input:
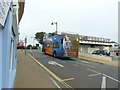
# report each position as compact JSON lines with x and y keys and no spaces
{"x":29,"y":46}
{"x":34,"y":47}
{"x":39,"y":36}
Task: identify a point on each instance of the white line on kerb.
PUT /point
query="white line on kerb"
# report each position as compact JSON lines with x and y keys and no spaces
{"x":103,"y":85}
{"x":111,"y":78}
{"x":55,"y":82}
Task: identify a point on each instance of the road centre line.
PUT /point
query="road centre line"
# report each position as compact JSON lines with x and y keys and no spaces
{"x":87,"y":65}
{"x":111,"y":78}
{"x":51,"y":73}
{"x":104,"y":75}
{"x":75,"y":65}
{"x":103,"y":85}
{"x":84,"y":61}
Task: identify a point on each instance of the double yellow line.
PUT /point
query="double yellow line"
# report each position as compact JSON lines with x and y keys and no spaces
{"x":51,"y":73}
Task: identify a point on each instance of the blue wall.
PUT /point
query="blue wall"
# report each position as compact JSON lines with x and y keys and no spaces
{"x":0,"y":58}
{"x":8,"y":76}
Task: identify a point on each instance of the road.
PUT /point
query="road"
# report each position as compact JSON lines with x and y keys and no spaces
{"x":77,"y":73}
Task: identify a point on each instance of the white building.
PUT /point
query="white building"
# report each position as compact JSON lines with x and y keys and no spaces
{"x":89,"y":43}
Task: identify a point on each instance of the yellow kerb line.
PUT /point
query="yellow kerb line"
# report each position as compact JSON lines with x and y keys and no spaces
{"x":56,"y":77}
{"x":94,"y":74}
{"x":93,"y":70}
{"x":67,"y":79}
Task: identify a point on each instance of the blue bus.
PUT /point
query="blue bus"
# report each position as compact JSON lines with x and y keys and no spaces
{"x":60,"y":45}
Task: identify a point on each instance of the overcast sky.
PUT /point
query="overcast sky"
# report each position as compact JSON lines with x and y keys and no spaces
{"x":86,"y":17}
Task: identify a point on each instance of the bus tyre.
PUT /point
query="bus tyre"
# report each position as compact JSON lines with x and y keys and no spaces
{"x":54,"y":54}
{"x":44,"y":51}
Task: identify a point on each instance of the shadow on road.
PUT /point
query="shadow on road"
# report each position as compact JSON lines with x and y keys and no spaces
{"x":43,"y":54}
{"x":66,"y":59}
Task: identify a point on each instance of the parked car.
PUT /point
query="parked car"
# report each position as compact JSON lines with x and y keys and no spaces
{"x":101,"y":52}
{"x":115,"y":52}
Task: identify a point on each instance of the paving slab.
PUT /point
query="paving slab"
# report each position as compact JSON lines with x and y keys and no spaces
{"x":113,"y":63}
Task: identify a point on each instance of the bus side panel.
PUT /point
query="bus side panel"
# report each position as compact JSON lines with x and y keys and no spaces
{"x":59,"y":51}
{"x":48,"y":50}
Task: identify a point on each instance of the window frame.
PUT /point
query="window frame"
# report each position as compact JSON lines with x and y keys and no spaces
{"x":11,"y":52}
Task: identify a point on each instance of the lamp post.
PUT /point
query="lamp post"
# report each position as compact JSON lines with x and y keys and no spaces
{"x":56,"y":25}
{"x":25,"y":44}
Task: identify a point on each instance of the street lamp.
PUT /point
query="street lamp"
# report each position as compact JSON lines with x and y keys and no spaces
{"x":56,"y":25}
{"x":25,"y":44}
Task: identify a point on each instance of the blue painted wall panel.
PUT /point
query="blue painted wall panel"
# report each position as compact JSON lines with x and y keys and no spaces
{"x":0,"y":59}
{"x":7,"y":75}
{"x":6,"y":38}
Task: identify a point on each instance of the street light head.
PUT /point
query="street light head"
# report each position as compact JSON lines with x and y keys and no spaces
{"x":51,"y":23}
{"x":56,"y":25}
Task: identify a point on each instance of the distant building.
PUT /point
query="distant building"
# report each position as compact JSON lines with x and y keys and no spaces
{"x":10,"y":17}
{"x":89,"y":43}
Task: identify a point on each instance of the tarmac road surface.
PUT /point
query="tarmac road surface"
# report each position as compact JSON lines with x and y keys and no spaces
{"x":78,"y":73}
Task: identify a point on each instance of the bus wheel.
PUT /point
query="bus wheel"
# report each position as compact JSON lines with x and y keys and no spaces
{"x":54,"y":54}
{"x":44,"y":51}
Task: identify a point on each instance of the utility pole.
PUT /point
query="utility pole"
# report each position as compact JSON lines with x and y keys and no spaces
{"x":25,"y":44}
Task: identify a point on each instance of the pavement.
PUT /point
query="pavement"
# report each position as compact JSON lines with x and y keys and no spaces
{"x":113,"y":63}
{"x":30,"y":75}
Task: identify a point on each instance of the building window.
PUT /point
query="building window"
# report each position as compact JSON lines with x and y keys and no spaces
{"x":11,"y":53}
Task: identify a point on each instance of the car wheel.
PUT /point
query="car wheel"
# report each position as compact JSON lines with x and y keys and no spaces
{"x":100,"y":54}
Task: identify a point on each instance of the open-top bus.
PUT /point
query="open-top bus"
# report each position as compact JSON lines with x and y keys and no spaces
{"x":61,"y":45}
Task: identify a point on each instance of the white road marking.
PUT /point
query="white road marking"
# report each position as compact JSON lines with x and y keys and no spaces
{"x":87,"y":65}
{"x":103,"y":85}
{"x":75,"y":65}
{"x":111,"y":78}
{"x":55,"y":63}
{"x":51,"y":62}
{"x":59,"y":64}
{"x":55,"y":82}
{"x":105,"y":75}
{"x":85,"y":61}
